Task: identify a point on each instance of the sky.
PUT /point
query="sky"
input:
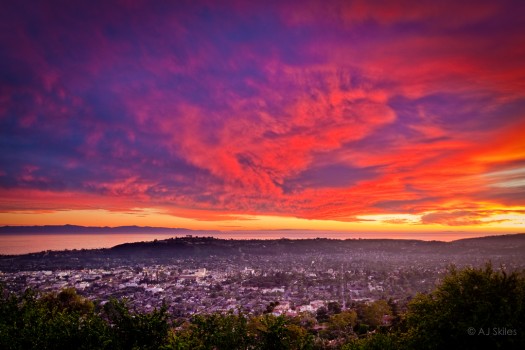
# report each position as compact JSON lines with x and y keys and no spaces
{"x":257,"y":115}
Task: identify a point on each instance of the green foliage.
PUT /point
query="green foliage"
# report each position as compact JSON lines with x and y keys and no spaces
{"x":235,"y":330}
{"x":305,"y":320}
{"x":475,"y":299}
{"x":342,"y":325}
{"x":376,"y":341}
{"x":57,"y":321}
{"x":322,"y":314}
{"x":67,"y":300}
{"x":136,"y":330}
{"x":491,"y":303}
{"x":372,"y":314}
{"x":270,"y":307}
{"x":68,"y":321}
{"x":334,"y":308}
{"x":214,"y":331}
{"x":278,"y":332}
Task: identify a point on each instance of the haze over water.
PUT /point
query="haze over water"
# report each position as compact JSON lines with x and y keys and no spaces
{"x":30,"y":243}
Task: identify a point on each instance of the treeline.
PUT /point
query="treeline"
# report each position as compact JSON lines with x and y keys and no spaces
{"x":470,"y":309}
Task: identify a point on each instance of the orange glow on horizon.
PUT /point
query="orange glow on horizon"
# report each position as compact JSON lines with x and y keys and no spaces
{"x":364,"y":116}
{"x":367,"y":223}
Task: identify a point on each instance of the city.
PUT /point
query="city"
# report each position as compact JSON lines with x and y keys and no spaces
{"x":263,"y":278}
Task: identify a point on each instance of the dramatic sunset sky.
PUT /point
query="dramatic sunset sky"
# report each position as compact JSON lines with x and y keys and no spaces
{"x":247,"y":115}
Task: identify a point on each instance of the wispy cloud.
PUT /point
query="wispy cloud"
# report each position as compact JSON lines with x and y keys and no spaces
{"x":220,"y":112}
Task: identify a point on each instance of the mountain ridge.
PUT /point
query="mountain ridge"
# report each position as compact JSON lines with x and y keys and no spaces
{"x":77,"y":229}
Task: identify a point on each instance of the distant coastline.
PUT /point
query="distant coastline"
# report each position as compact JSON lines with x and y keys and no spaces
{"x":76,"y":229}
{"x":309,"y":233}
{"x":32,"y":239}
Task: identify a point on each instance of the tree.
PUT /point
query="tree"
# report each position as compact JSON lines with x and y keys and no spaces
{"x":270,"y":307}
{"x":342,"y":325}
{"x":67,"y":300}
{"x":372,"y":314}
{"x":273,"y":332}
{"x":135,"y":329}
{"x":471,"y":308}
{"x":220,"y":331}
{"x":322,"y":314}
{"x":334,"y":308}
{"x":376,"y":341}
{"x":54,"y":321}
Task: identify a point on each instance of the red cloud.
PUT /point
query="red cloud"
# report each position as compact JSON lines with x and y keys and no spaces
{"x":319,"y":111}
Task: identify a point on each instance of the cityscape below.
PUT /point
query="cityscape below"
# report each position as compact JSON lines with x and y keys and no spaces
{"x":206,"y":274}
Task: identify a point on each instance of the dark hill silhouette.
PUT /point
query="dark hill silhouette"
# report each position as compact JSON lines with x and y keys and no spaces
{"x":498,"y":248}
{"x":200,"y":246}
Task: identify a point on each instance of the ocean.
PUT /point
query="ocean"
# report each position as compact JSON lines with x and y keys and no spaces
{"x":30,"y":243}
